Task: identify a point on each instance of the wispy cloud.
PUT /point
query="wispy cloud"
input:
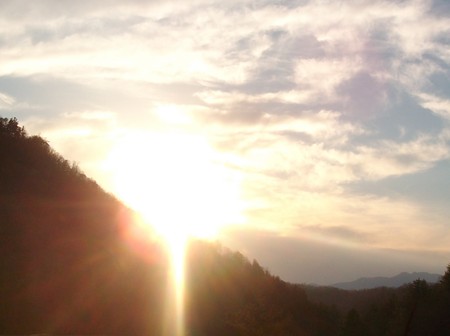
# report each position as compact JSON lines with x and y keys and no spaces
{"x":6,"y":101}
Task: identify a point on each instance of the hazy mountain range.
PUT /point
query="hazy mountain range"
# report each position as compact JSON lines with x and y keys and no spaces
{"x":394,"y":282}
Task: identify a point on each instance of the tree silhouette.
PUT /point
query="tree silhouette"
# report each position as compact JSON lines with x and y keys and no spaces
{"x":11,"y":128}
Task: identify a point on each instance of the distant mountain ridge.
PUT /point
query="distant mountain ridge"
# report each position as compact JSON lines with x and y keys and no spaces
{"x":394,"y":282}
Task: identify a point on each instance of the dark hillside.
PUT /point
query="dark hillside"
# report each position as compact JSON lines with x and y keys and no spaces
{"x":418,"y":308}
{"x":65,"y":267}
{"x":68,"y":266}
{"x":345,"y":300}
{"x":229,"y":295}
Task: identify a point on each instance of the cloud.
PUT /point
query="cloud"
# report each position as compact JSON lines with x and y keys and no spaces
{"x":314,"y":104}
{"x":428,"y":187}
{"x":6,"y":101}
{"x":323,"y":76}
{"x":156,"y":45}
{"x":339,"y":233}
{"x":440,"y":106}
{"x":303,"y":260}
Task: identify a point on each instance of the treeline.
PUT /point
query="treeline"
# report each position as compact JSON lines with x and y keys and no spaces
{"x":229,"y":295}
{"x":418,"y":308}
{"x":74,"y":261}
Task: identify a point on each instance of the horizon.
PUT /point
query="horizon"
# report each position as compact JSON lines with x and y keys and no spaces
{"x":311,"y":136}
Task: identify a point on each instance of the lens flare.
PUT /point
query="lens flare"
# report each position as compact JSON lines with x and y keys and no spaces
{"x":178,"y":247}
{"x":182,"y":188}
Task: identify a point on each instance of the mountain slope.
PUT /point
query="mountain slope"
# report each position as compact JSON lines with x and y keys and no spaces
{"x":394,"y":282}
{"x":73,"y":261}
{"x":65,"y":266}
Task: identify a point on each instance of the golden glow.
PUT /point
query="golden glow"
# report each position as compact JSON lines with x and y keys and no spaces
{"x":175,"y":182}
{"x":177,"y":247}
{"x":174,"y":315}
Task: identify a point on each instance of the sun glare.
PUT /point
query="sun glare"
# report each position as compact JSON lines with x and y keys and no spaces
{"x":174,"y":181}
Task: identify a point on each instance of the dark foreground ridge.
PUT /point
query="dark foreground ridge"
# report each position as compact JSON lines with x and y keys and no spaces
{"x":66,"y":264}
{"x":74,"y":262}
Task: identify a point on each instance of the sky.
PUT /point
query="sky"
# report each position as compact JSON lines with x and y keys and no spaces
{"x":313,"y":136}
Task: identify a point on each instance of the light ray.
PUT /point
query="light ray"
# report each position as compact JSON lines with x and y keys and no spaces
{"x":180,"y":187}
{"x":175,"y":313}
{"x":178,"y":246}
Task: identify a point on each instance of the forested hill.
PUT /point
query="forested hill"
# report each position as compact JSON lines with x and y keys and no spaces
{"x":73,"y":261}
{"x":67,"y":266}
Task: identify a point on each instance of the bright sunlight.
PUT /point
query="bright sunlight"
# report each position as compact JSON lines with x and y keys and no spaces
{"x":176,"y":182}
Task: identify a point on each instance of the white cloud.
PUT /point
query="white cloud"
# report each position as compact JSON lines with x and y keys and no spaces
{"x":438,"y":105}
{"x":91,"y":115}
{"x":217,"y":97}
{"x":6,"y":101}
{"x":198,"y":40}
{"x":390,"y":158}
{"x":191,"y":46}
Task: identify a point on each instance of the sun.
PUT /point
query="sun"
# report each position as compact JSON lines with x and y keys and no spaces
{"x":179,"y":185}
{"x":176,"y":182}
